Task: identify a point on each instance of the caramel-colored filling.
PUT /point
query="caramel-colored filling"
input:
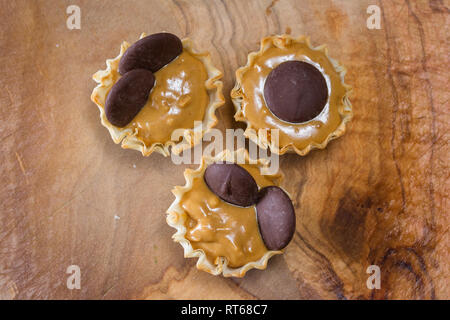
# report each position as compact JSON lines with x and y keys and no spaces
{"x":254,"y":108}
{"x":221,"y":229}
{"x":178,"y":98}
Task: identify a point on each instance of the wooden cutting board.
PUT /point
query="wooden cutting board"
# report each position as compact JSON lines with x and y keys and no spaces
{"x":376,"y":196}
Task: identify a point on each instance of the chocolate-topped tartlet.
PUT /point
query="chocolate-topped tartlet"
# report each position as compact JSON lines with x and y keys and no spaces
{"x":157,"y":85}
{"x":295,"y":88}
{"x":231,"y":216}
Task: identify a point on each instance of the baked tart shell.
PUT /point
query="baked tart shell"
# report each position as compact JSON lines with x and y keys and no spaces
{"x":344,"y":107}
{"x":176,"y":218}
{"x":128,"y":138}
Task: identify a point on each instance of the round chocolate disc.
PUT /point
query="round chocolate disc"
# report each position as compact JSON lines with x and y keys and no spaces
{"x":152,"y":52}
{"x":276,"y":217}
{"x":231,"y":183}
{"x":128,"y":95}
{"x":295,"y":91}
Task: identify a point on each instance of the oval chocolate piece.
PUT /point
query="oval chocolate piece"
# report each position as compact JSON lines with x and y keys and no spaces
{"x":152,"y":52}
{"x":295,"y":91}
{"x":232,"y":183}
{"x":276,"y":217}
{"x":128,"y":96}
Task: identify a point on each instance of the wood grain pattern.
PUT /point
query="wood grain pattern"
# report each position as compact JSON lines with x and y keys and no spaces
{"x":378,"y":195}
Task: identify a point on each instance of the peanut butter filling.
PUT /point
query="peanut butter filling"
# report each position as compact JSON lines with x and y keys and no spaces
{"x":256,"y":112}
{"x":221,"y":229}
{"x":178,"y":98}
